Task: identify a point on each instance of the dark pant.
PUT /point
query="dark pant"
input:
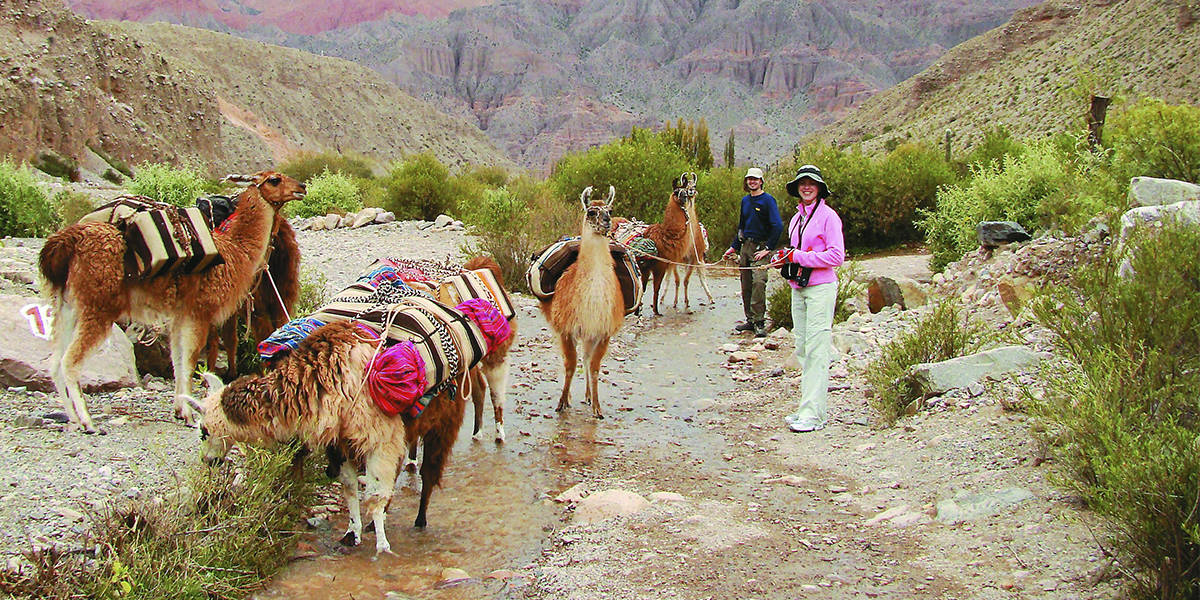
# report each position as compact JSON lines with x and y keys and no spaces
{"x":754,"y":283}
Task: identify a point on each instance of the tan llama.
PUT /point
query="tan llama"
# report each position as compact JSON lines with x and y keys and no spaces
{"x":672,"y":237}
{"x":695,"y":257}
{"x":83,"y":271}
{"x":587,"y":306}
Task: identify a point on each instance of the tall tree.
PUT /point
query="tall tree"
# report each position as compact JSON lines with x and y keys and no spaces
{"x":729,"y":149}
{"x":704,"y":157}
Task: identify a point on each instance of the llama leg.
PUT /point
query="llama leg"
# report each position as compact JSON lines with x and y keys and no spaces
{"x":675,"y":275}
{"x":569,"y":359}
{"x":186,"y":340}
{"x":229,"y":339}
{"x":597,"y":353}
{"x":704,"y":284}
{"x":478,"y":395}
{"x":349,"y":478}
{"x":381,"y":479}
{"x":90,"y":332}
{"x":659,"y":272}
{"x":687,"y":279}
{"x":437,"y":450}
{"x":410,"y":462}
{"x":497,"y":378}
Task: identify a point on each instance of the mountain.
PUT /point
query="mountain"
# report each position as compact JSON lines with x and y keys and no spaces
{"x":303,"y":16}
{"x":102,"y":92}
{"x":545,"y":77}
{"x":1034,"y":74}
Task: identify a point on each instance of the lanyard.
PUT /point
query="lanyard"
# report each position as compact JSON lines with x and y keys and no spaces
{"x":804,"y":221}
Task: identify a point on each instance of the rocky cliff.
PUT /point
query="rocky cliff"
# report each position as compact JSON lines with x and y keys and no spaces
{"x":545,"y":77}
{"x":107,"y":92}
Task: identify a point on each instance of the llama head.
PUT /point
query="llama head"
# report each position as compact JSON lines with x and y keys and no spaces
{"x":215,"y":438}
{"x":597,"y":214}
{"x":274,"y":187}
{"x":684,"y":190}
{"x":231,"y":413}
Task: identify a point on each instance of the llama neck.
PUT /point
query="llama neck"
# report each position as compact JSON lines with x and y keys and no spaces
{"x":249,"y":231}
{"x":673,"y":216}
{"x":593,"y":252}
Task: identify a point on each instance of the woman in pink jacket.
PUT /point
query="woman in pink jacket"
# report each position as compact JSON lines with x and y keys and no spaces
{"x":816,"y":248}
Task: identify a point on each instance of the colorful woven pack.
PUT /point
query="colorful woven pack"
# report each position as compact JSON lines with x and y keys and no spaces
{"x":496,"y":329}
{"x":396,"y":380}
{"x":286,"y":338}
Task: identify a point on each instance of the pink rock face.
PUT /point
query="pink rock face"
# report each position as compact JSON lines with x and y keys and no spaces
{"x":305,"y":17}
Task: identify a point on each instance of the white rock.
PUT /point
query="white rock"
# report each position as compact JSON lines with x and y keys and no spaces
{"x":667,"y":497}
{"x":608,"y":504}
{"x":573,"y":494}
{"x":332,"y":221}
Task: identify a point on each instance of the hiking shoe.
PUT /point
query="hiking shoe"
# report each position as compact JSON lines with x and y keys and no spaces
{"x":747,"y":326}
{"x":792,"y":418}
{"x":760,"y":332}
{"x":805,"y":425}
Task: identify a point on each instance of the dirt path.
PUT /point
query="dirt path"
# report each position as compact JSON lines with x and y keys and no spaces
{"x":750,"y":511}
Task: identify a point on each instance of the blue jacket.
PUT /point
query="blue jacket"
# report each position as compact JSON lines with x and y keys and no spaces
{"x":759,"y":221}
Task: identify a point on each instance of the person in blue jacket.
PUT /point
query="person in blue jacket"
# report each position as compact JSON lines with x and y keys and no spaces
{"x":758,"y":231}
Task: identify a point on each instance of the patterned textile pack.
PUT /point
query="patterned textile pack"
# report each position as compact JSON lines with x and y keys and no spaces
{"x":160,"y":238}
{"x":480,"y":283}
{"x":552,"y":261}
{"x":633,"y":234}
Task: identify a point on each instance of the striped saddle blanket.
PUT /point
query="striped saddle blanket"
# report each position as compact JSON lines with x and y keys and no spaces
{"x":547,"y":265}
{"x":160,"y":238}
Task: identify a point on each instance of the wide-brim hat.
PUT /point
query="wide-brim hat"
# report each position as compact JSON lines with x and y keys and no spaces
{"x":811,"y":172}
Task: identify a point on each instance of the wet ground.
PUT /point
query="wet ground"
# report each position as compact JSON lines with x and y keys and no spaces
{"x":494,"y":510}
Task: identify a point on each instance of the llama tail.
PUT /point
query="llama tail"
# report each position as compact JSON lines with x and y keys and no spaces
{"x":485,"y":262}
{"x":54,"y":261}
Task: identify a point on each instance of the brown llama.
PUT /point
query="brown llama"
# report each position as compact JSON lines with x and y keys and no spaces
{"x":83,"y":274}
{"x":587,"y":305}
{"x":695,"y":257}
{"x":271,"y":301}
{"x":318,"y":394}
{"x":672,"y":237}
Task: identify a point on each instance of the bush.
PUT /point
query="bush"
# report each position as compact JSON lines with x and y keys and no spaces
{"x":417,"y":188}
{"x":174,"y":185}
{"x":327,"y":193}
{"x":228,"y":533}
{"x":779,"y":299}
{"x":1012,"y":191}
{"x":72,"y":206}
{"x":307,"y":165}
{"x":511,"y":223}
{"x":24,"y":209}
{"x":997,"y":145}
{"x":941,"y":335}
{"x":1120,"y":414}
{"x":57,"y":165}
{"x":718,"y":204}
{"x":1156,"y":139}
{"x":641,"y":169}
{"x":314,"y":292}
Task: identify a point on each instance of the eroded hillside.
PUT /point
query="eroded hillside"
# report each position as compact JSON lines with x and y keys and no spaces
{"x":1034,"y":74}
{"x":113,"y":92}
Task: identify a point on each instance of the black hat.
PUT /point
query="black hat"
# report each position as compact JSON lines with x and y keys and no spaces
{"x":811,"y":172}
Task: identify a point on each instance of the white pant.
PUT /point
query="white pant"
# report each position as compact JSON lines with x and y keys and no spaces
{"x":812,"y":324}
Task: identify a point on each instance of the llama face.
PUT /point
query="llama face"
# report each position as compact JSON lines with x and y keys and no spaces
{"x":598,"y":216}
{"x":685,"y":189}
{"x":216,"y":439}
{"x":277,"y":188}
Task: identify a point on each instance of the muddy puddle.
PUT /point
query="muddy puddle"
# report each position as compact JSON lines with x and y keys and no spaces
{"x":494,"y":511}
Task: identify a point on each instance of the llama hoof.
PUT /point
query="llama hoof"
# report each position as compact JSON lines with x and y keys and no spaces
{"x":419,"y":523}
{"x":477,"y":436}
{"x":350,"y":539}
{"x":499,"y":435}
{"x":410,"y":465}
{"x":382,"y":549}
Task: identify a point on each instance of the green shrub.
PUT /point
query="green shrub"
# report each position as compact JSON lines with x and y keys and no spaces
{"x":641,"y":169}
{"x":941,"y":335}
{"x":418,"y":188}
{"x":174,"y":185}
{"x":72,"y":206}
{"x":511,"y":223}
{"x":314,"y":292}
{"x":24,"y":209}
{"x":327,"y":193}
{"x":223,"y":537}
{"x":779,"y":298}
{"x":996,"y":146}
{"x":1120,"y":413}
{"x":57,"y":165}
{"x":307,"y":165}
{"x":1012,"y":191}
{"x":1156,"y":139}
{"x":718,"y":204}
{"x":112,"y":176}
{"x":121,"y":167}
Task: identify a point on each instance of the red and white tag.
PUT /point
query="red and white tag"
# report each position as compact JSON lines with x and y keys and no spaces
{"x":39,"y":319}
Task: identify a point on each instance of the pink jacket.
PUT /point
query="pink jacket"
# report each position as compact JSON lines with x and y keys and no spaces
{"x":821,"y":247}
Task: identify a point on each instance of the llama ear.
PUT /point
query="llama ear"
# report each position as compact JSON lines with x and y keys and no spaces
{"x":215,"y":385}
{"x":196,"y":406}
{"x":585,"y":196}
{"x":612,"y":195}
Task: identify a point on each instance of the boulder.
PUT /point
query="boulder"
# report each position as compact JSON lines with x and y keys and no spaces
{"x":997,"y":233}
{"x":332,"y":221}
{"x":883,"y":291}
{"x":151,"y":350}
{"x":608,"y":504}
{"x":1187,"y":212}
{"x":1151,"y":191}
{"x":911,"y":291}
{"x":25,"y":358}
{"x":965,"y":507}
{"x":1015,"y":292}
{"x":385,"y":216}
{"x":850,"y":342}
{"x":934,"y":379}
{"x":442,"y":221}
{"x":364,"y":217}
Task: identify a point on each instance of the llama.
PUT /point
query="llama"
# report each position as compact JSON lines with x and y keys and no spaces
{"x":672,"y":237}
{"x":318,"y":394}
{"x":587,"y":305}
{"x":694,"y":259}
{"x":83,"y":274}
{"x":271,"y":301}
